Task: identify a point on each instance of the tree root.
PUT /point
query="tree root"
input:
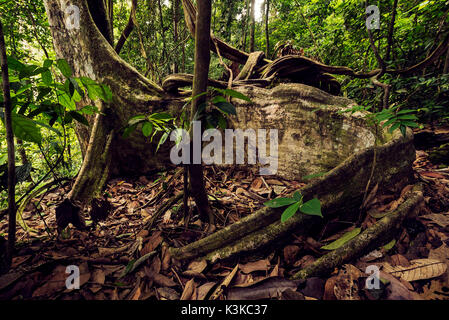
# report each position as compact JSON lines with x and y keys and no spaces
{"x":263,"y":228}
{"x":377,"y":235}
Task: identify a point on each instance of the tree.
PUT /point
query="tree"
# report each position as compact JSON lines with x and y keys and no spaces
{"x":253,"y":26}
{"x":200,"y":81}
{"x":11,"y":153}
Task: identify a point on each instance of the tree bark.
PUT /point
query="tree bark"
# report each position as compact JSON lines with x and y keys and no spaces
{"x":11,"y":154}
{"x":106,"y":151}
{"x":200,"y":82}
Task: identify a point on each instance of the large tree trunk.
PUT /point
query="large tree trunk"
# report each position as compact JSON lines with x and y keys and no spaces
{"x":90,"y":53}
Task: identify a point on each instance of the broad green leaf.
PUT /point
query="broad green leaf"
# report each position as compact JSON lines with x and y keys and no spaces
{"x":312,"y":208}
{"x":64,"y":67}
{"x":147,"y":129}
{"x":47,"y":63}
{"x":234,"y":94}
{"x":279,"y":202}
{"x":226,"y":107}
{"x":15,"y":64}
{"x":48,"y":127}
{"x":79,"y":117}
{"x":25,"y":129}
{"x":67,"y":102}
{"x":345,"y":238}
{"x":297,"y":196}
{"x":161,"y":116}
{"x":289,"y":212}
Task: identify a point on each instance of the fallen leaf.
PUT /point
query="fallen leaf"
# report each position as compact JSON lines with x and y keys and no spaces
{"x":204,"y":289}
{"x":290,"y":253}
{"x":261,"y":265}
{"x":163,"y":281}
{"x":197,"y":266}
{"x":188,"y":290}
{"x":419,"y":269}
{"x":438,"y":218}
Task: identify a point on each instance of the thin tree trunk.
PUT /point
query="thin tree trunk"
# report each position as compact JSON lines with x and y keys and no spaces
{"x":245,"y":26}
{"x":11,"y":155}
{"x":267,"y":31}
{"x":128,"y":29}
{"x":253,"y":26}
{"x":391,"y":31}
{"x":446,"y":63}
{"x":175,"y":5}
{"x":202,"y":61}
{"x":164,"y":44}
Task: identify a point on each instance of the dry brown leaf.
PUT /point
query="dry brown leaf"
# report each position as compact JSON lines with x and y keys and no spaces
{"x":397,"y":290}
{"x":438,"y":218}
{"x":163,"y":281}
{"x":197,"y":266}
{"x":329,"y":289}
{"x":204,"y":290}
{"x":98,"y":277}
{"x":261,"y":265}
{"x":419,"y":269}
{"x":290,"y":253}
{"x":152,"y":243}
{"x":435,"y":290}
{"x":188,"y":290}
{"x":256,"y":184}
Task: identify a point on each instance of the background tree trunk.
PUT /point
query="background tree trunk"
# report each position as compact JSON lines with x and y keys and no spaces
{"x":267,"y":31}
{"x":4,"y":266}
{"x":253,"y":26}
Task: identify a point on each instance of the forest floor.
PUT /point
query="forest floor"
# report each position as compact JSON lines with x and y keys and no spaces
{"x":415,"y":266}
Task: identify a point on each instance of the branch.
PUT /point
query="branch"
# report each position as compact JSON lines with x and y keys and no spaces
{"x":128,"y":29}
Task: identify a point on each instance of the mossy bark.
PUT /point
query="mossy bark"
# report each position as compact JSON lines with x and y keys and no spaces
{"x":377,"y":235}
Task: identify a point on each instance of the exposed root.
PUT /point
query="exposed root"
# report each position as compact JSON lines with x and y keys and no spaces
{"x":379,"y":234}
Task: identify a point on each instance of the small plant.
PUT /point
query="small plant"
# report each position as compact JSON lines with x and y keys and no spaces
{"x":295,"y":203}
{"x":397,"y":119}
{"x":213,"y":113}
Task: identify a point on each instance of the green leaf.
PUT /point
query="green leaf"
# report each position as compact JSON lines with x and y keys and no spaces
{"x":233,"y":93}
{"x":297,"y":196}
{"x":162,"y":140}
{"x":226,"y":107}
{"x":107,"y":93}
{"x":345,"y":238}
{"x":279,"y":202}
{"x":79,"y":117}
{"x":15,"y":64}
{"x":64,"y":67}
{"x":67,"y":102}
{"x":289,"y":212}
{"x":48,"y":127}
{"x":147,"y":129}
{"x":128,"y":130}
{"x":312,"y":208}
{"x":389,"y":245}
{"x":161,"y":116}
{"x":47,"y":63}
{"x":313,"y":176}
{"x":25,"y":129}
{"x":136,"y":120}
